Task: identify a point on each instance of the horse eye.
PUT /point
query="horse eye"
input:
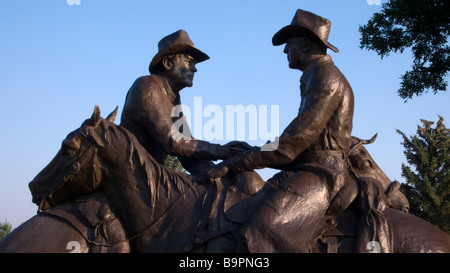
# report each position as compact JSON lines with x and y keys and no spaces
{"x":75,"y":167}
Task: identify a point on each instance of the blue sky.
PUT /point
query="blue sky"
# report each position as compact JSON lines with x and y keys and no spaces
{"x":58,"y":61}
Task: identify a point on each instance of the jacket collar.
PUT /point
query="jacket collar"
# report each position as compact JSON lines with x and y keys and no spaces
{"x":165,"y":87}
{"x":316,"y":63}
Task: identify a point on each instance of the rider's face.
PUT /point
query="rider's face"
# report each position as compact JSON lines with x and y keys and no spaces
{"x":183,"y":70}
{"x":295,"y":49}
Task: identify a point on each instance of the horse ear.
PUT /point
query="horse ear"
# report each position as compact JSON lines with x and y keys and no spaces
{"x":363,"y":141}
{"x":112,"y":117}
{"x":372,"y":140}
{"x":394,"y":186}
{"x":95,"y":118}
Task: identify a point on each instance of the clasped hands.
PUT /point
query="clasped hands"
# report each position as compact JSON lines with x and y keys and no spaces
{"x":230,"y":150}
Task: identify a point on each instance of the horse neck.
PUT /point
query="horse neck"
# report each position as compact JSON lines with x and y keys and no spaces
{"x":140,"y":188}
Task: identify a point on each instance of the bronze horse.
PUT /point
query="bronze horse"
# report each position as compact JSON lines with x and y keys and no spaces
{"x":104,"y":193}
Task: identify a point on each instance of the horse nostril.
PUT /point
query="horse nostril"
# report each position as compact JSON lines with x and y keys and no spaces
{"x":75,"y":167}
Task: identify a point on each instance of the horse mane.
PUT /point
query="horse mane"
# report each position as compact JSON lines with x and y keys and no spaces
{"x":158,"y":177}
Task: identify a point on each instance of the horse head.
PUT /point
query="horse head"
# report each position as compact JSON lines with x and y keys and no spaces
{"x":77,"y":160}
{"x":364,"y":166}
{"x":362,"y":163}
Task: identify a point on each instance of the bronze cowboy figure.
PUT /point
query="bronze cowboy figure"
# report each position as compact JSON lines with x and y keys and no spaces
{"x":315,"y":144}
{"x":149,"y":107}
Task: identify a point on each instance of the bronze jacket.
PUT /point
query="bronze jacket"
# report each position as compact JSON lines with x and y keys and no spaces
{"x":323,"y":123}
{"x":147,"y":113}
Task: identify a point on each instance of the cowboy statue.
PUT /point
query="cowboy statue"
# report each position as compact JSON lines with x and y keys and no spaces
{"x":152,"y":108}
{"x":315,"y":145}
{"x":153,"y":113}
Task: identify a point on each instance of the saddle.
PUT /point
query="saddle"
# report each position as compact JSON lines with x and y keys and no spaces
{"x":94,"y":218}
{"x":224,"y":206}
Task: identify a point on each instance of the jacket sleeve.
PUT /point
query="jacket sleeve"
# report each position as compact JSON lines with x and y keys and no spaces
{"x":152,"y":113}
{"x":318,"y":104}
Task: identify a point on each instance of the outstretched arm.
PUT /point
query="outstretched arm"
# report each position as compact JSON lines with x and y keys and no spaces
{"x":152,"y":113}
{"x":318,"y":106}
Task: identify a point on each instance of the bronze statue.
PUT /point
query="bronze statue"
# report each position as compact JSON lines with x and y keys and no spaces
{"x":106,"y":190}
{"x":103,"y":174}
{"x":315,"y":144}
{"x":148,"y":110}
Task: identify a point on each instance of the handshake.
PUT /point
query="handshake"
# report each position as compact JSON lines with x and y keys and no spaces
{"x":229,"y":153}
{"x":237,"y":147}
{"x":233,"y":148}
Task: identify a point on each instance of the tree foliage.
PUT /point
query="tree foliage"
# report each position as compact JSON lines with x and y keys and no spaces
{"x":173,"y":163}
{"x":5,"y":228}
{"x":421,"y":25}
{"x":428,"y":185}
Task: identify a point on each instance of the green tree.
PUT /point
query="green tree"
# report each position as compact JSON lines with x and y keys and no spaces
{"x":5,"y":228}
{"x":421,"y":25}
{"x":428,"y":185}
{"x":173,"y":163}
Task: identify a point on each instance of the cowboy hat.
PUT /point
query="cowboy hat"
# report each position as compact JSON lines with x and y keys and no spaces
{"x":177,"y":42}
{"x":305,"y":23}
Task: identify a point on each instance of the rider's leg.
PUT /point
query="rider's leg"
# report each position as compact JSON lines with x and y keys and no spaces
{"x":286,"y":220}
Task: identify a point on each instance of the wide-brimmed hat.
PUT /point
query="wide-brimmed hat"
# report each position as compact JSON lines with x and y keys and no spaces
{"x":177,"y":42}
{"x":308,"y":23}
